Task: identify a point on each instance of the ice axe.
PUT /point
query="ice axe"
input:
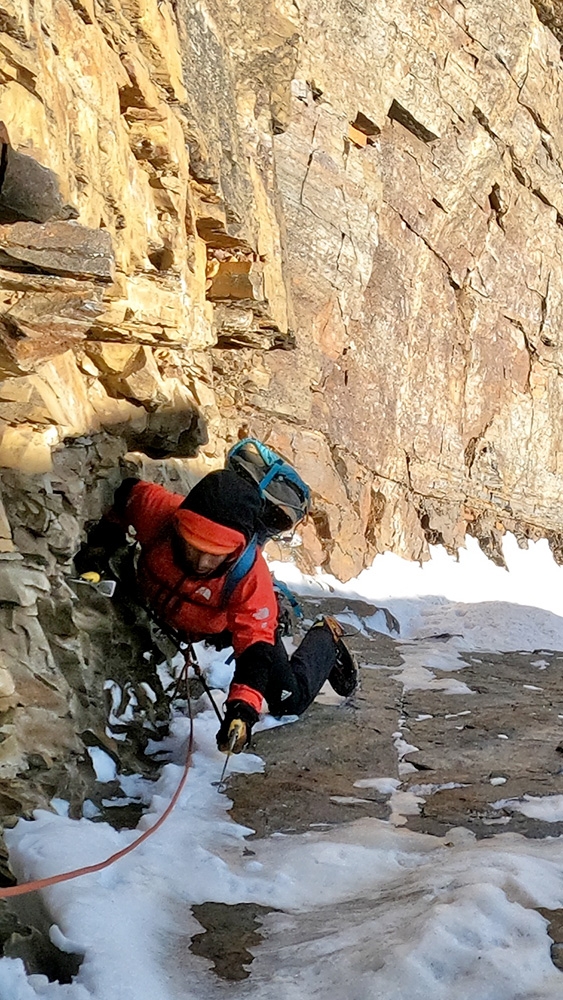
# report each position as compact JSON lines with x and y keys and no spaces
{"x":236,"y":729}
{"x":106,"y":588}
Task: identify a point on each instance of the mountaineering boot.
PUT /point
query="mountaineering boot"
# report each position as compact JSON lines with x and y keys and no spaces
{"x":236,"y":728}
{"x":343,"y":677}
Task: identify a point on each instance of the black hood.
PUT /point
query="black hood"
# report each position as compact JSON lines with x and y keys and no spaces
{"x":226,"y":498}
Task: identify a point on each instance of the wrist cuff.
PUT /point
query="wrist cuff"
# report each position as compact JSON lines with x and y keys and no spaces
{"x":240,"y":692}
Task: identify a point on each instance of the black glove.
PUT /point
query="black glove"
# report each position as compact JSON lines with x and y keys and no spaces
{"x":221,"y":640}
{"x":236,"y":728}
{"x":103,"y":540}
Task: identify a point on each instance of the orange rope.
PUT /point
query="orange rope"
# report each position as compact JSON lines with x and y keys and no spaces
{"x":42,"y":883}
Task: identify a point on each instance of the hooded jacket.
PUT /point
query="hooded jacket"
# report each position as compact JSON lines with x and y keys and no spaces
{"x":194,"y":606}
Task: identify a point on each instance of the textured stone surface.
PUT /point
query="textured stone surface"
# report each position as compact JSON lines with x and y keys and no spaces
{"x":28,"y":191}
{"x":422,"y":264}
{"x":264,"y":185}
{"x":63,"y":248}
{"x":312,"y":768}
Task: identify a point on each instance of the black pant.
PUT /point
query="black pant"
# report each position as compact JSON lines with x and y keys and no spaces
{"x":288,"y":685}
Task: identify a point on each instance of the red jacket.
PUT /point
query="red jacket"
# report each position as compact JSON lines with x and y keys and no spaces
{"x":194,"y":605}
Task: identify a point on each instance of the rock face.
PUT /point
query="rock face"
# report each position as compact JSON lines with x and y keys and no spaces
{"x":422,"y":250}
{"x":338,"y":226}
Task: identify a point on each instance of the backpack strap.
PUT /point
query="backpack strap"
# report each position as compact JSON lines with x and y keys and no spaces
{"x":274,"y":469}
{"x":239,"y":569}
{"x":289,"y":596}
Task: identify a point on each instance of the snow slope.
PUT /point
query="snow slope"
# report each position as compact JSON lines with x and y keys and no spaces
{"x":367,"y":910}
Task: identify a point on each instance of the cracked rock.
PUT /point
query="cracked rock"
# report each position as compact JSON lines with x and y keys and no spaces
{"x":63,"y":248}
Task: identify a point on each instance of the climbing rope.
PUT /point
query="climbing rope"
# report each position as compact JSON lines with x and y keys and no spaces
{"x":43,"y":883}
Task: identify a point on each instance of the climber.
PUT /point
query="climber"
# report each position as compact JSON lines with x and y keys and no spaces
{"x":188,"y":546}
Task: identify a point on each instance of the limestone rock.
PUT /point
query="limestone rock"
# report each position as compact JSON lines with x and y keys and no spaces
{"x":28,"y":191}
{"x":14,"y":18}
{"x":6,"y":541}
{"x":403,"y":211}
{"x":112,"y":358}
{"x":26,"y":448}
{"x":60,"y":386}
{"x":138,"y":380}
{"x":42,"y":316}
{"x":336,"y":226}
{"x":237,"y":279}
{"x":63,"y":536}
{"x":176,"y":429}
{"x":63,"y":248}
{"x":19,"y":584}
{"x":7,"y":690}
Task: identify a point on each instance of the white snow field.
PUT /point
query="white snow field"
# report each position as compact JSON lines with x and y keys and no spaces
{"x":366,"y":910}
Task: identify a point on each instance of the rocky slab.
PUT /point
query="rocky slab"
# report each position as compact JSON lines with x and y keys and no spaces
{"x":64,"y":248}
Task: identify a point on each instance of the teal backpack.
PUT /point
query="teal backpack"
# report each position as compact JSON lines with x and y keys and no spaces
{"x":286,"y":499}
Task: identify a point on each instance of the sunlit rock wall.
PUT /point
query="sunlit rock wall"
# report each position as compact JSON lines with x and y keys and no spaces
{"x":419,"y":177}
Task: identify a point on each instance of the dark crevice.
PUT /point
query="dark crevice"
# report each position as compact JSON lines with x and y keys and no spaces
{"x":449,"y":276}
{"x":519,"y":175}
{"x":81,"y":10}
{"x":399,"y":114}
{"x":544,"y":303}
{"x":550,"y":14}
{"x":432,"y":535}
{"x":469,"y":453}
{"x":309,"y":161}
{"x":484,"y":122}
{"x":539,"y":194}
{"x":534,"y":113}
{"x":499,"y":59}
{"x":364,"y":125}
{"x":322,"y":526}
{"x":9,"y":26}
{"x":408,"y":469}
{"x":162,"y":258}
{"x":3,"y":162}
{"x":547,"y":147}
{"x":497,"y":204}
{"x":316,"y":92}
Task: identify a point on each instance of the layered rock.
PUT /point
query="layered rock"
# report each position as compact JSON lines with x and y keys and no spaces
{"x":251,"y":179}
{"x":422,"y":254}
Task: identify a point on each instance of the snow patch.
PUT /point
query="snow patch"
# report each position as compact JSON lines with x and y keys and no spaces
{"x":547,"y":808}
